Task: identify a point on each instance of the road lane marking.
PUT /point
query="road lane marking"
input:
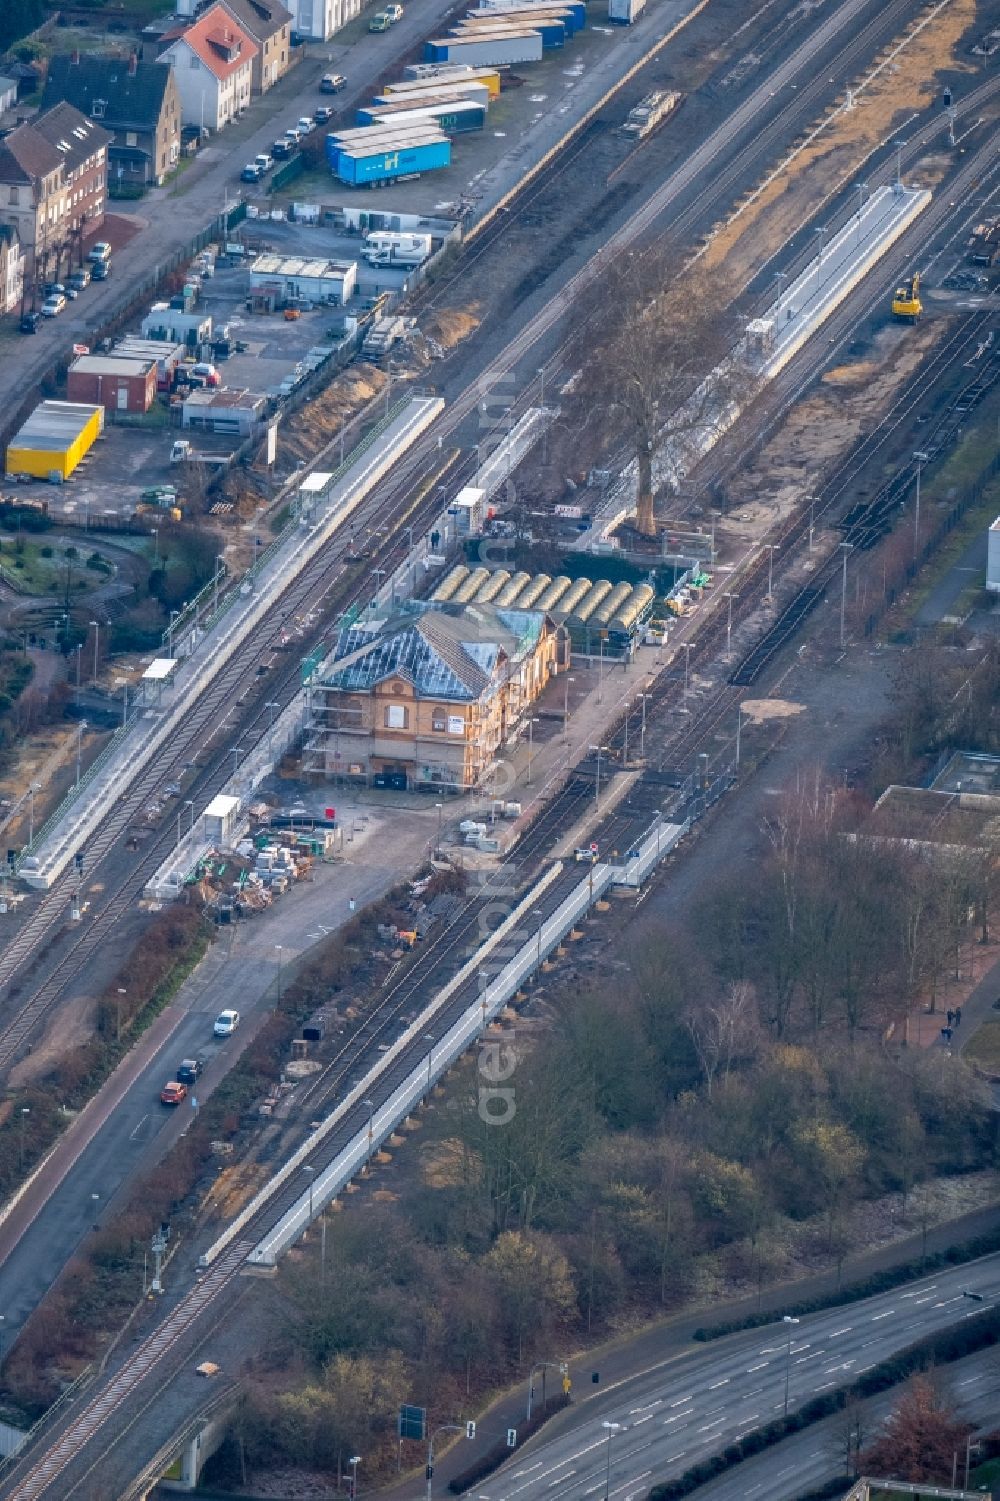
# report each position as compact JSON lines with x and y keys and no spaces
{"x":888,"y":1313}
{"x":846,"y":1330}
{"x":752,"y":1368}
{"x":560,"y":1478}
{"x":677,"y":1418}
{"x":682,"y":1400}
{"x":716,"y":1384}
{"x":648,"y":1405}
{"x":136,"y":1129}
{"x":647,"y":1419}
{"x":923,"y":1300}
{"x":528,"y":1471}
{"x":674,"y":1457}
{"x":713,"y":1424}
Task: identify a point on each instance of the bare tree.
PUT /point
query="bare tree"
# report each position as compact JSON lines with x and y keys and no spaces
{"x":659,"y":373}
{"x":723,"y":1031}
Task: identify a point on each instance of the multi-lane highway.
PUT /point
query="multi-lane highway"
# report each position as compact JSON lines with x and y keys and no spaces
{"x":671,"y":1415}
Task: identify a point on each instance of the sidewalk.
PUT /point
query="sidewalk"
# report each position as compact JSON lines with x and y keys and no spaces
{"x":975,"y":995}
{"x":622,"y":1359}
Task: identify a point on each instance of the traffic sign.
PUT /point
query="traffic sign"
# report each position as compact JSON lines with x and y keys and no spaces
{"x":412,"y":1422}
{"x":511,"y":1438}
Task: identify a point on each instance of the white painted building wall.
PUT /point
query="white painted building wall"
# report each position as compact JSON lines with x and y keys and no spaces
{"x":993,"y":559}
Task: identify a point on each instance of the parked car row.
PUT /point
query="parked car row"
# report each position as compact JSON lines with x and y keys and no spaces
{"x":57,"y":293}
{"x":383,"y":19}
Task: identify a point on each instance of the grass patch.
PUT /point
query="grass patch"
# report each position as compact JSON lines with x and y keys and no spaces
{"x":41,"y":567}
{"x":984,"y":1047}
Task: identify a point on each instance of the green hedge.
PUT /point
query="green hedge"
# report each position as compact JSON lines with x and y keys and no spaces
{"x":879,"y":1282}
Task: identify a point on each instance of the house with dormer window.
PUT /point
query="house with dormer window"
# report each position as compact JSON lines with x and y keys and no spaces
{"x":53,"y":185}
{"x":135,"y":101}
{"x":213,"y":63}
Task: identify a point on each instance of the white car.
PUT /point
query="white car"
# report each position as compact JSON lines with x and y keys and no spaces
{"x":226,"y":1023}
{"x":306,"y":123}
{"x":53,"y":305}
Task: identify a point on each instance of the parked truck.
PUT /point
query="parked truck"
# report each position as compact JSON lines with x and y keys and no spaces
{"x":383,"y":248}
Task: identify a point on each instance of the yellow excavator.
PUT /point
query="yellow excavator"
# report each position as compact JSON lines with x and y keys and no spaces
{"x":906,"y":304}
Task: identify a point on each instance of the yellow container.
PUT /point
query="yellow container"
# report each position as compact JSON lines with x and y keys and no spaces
{"x":56,"y":436}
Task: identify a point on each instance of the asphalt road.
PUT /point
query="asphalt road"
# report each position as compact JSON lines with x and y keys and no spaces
{"x":694,"y":1404}
{"x":125,"y":1130}
{"x":809,"y":1459}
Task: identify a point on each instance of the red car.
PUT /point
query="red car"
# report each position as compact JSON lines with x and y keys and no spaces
{"x":173,"y":1093}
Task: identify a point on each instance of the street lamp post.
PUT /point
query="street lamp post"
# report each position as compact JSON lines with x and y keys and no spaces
{"x":170,"y":632}
{"x":597,"y":785}
{"x":729,"y":625}
{"x":540,"y":923}
{"x":355,"y":1459}
{"x":118,"y":1012}
{"x":278,"y":951}
{"x":687,"y":666}
{"x":311,"y":1173}
{"x":772,"y":548}
{"x":531,"y":748}
{"x":79,"y":655}
{"x":612,"y":1429}
{"x":97,"y":638}
{"x":788,"y":1356}
{"x":79,"y":747}
{"x":566,"y":682}
{"x":846,"y":547}
{"x":25,"y":1112}
{"x":642,"y":728}
{"x":370,"y":1107}
{"x":219,"y":565}
{"x":739,"y":729}
{"x":812,"y":519}
{"x":31,"y":812}
{"x":920,"y":459}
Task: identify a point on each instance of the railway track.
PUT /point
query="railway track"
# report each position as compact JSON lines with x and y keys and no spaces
{"x":318,"y":580}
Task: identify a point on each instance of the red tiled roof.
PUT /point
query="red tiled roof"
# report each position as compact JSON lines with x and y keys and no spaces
{"x":214,"y":36}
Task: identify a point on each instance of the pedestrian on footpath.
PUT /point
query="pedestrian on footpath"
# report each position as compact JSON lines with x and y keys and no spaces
{"x":958,"y":1016}
{"x":951,"y":1017}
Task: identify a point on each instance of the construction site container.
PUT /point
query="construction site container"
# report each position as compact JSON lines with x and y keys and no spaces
{"x":553,"y":30}
{"x":426,"y":72}
{"x":454,"y":117}
{"x":624,"y":12}
{"x":571,"y":598}
{"x":385,"y":155}
{"x":499,"y":49}
{"x":588,"y":604}
{"x":512,"y":589}
{"x":527,"y":8}
{"x":628,"y":616}
{"x":437,"y":91}
{"x":167,"y":356}
{"x":609,"y":605}
{"x":553,"y":592}
{"x":488,"y":592}
{"x":56,"y":436}
{"x":450,"y":583}
{"x":531,"y":592}
{"x":116,"y":382}
{"x":470,"y":587}
{"x":573,"y":17}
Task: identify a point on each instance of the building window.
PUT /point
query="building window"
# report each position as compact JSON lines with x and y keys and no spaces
{"x":131,"y":139}
{"x":97,"y":108}
{"x":396,"y":717}
{"x":13,"y":196}
{"x":439,"y":721}
{"x":195,"y":63}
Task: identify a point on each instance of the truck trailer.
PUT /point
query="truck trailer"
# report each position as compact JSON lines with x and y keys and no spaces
{"x":573,"y":14}
{"x":552,"y":29}
{"x":497,"y":49}
{"x":385,"y":155}
{"x":424,"y":72}
{"x":625,"y":12}
{"x":453,"y":118}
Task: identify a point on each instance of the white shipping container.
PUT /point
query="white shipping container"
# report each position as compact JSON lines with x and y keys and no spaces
{"x":625,"y":11}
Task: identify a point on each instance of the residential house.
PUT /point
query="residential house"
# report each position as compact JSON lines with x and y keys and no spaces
{"x":213,"y":65}
{"x":425,"y":696}
{"x":11,"y":269}
{"x":8,"y":94}
{"x":137,"y":102}
{"x":270,"y":26}
{"x":318,"y":20}
{"x":53,"y":184}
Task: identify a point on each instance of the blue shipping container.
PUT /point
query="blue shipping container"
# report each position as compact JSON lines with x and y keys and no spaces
{"x":356,"y":169}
